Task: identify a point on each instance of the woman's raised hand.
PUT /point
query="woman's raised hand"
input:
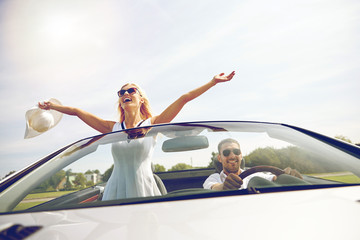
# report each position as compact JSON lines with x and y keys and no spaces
{"x":45,"y":105}
{"x":221,"y":78}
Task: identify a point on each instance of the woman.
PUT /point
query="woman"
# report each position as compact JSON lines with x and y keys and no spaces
{"x":132,"y":175}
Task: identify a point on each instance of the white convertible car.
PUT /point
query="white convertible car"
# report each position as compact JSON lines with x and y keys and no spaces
{"x":60,"y":196}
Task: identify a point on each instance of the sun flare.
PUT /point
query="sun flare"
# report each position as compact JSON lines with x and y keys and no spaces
{"x":59,"y":30}
{"x":52,"y":34}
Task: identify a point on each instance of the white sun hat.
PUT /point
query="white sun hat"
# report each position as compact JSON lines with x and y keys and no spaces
{"x":39,"y":120}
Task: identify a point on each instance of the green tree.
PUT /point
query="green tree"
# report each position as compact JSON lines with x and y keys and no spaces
{"x":80,"y":180}
{"x":42,"y":187}
{"x":341,"y":137}
{"x":107,"y":174}
{"x":263,"y":156}
{"x":89,"y":184}
{"x":68,"y":184}
{"x":57,"y":178}
{"x":52,"y":183}
{"x":159,"y":168}
{"x":293,"y":157}
{"x":180,"y":166}
{"x":213,"y":159}
{"x":9,"y":174}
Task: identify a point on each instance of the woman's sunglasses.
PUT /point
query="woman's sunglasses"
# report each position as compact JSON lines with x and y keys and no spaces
{"x":227,"y":152}
{"x":130,"y":91}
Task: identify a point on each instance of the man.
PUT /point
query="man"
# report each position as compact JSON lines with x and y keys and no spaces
{"x":230,"y":156}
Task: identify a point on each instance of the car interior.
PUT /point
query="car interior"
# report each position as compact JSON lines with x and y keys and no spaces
{"x":173,"y":184}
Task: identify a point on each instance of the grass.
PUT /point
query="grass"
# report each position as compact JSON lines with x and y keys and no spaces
{"x":343,"y":177}
{"x":26,"y":205}
{"x":42,"y":198}
{"x":46,"y":195}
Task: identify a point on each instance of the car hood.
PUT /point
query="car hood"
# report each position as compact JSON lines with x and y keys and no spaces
{"x":315,"y":214}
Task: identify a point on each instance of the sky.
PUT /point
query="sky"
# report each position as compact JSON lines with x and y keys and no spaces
{"x":296,"y":62}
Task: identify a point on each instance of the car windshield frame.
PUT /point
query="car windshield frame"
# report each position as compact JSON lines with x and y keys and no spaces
{"x":28,"y":178}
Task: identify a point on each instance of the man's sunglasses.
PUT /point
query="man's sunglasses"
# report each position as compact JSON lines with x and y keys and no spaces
{"x":227,"y":152}
{"x":130,"y":91}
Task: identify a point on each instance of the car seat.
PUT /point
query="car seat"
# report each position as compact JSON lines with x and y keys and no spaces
{"x":159,"y":182}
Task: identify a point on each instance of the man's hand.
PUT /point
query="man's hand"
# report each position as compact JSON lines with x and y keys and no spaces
{"x":232,"y":181}
{"x":292,"y":172}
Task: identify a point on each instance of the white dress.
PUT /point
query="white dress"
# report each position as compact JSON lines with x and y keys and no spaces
{"x":132,"y":175}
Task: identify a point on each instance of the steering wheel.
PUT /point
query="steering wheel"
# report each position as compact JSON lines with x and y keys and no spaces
{"x":274,"y":170}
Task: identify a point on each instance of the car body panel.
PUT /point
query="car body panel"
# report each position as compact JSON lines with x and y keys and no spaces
{"x":276,"y":215}
{"x":324,"y":209}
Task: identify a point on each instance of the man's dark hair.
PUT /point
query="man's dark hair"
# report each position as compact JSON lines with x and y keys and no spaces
{"x":227,"y":140}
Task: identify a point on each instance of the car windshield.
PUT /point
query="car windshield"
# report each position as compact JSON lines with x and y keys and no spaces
{"x":180,"y":158}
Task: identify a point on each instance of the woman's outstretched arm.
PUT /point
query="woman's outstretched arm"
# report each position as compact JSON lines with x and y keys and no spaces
{"x":170,"y":112}
{"x":93,"y":121}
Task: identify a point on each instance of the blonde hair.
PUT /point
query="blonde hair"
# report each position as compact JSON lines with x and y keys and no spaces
{"x":145,"y":109}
